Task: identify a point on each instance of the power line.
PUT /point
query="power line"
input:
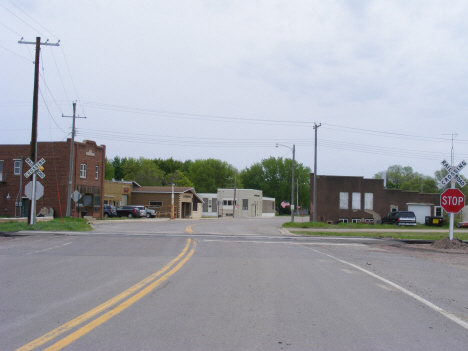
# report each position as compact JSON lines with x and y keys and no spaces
{"x":32,"y":18}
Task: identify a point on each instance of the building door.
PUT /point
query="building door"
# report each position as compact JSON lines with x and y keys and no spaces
{"x":24,"y":207}
{"x":421,"y":211}
{"x":124,"y":200}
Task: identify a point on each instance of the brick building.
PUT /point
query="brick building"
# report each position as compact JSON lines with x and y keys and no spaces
{"x":355,"y":199}
{"x":88,"y":177}
{"x":119,"y":192}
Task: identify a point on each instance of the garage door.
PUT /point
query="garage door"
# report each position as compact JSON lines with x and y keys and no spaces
{"x":421,"y":211}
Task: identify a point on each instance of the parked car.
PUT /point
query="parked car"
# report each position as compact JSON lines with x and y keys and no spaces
{"x":150,"y":213}
{"x":400,"y":218}
{"x":110,"y":211}
{"x":131,"y":211}
{"x":462,"y":225}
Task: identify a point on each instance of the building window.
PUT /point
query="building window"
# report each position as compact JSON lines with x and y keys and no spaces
{"x":245,"y":204}
{"x":356,"y":201}
{"x":227,"y":202}
{"x":344,"y":200}
{"x":156,"y":203}
{"x":343,"y":220}
{"x":97,"y":172}
{"x":83,"y":170}
{"x":194,"y":206}
{"x":17,"y":167}
{"x":1,"y":171}
{"x":356,"y":220}
{"x":438,"y":211}
{"x":369,"y":201}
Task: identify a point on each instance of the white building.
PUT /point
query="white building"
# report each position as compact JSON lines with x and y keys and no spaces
{"x":249,"y":203}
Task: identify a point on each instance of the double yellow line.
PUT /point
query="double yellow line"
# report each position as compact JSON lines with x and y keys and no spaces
{"x":141,"y":289}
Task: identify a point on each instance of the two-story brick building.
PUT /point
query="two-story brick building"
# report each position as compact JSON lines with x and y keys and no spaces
{"x":87,"y":179}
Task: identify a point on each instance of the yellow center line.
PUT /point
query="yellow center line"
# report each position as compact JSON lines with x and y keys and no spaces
{"x":105,"y":317}
{"x":88,"y":315}
{"x":189,"y":229}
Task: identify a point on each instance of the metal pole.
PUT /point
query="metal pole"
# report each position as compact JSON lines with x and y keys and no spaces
{"x":297,"y":195}
{"x":292,"y":183}
{"x":314,"y":216}
{"x":172,"y":202}
{"x":234,"y":201}
{"x":452,"y":215}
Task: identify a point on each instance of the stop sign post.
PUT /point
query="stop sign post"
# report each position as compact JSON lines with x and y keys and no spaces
{"x":452,"y":200}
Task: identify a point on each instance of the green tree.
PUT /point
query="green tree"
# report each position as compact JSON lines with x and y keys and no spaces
{"x":209,"y":175}
{"x":426,"y":183}
{"x":273,"y":177}
{"x":177,"y":177}
{"x":169,"y":165}
{"x":397,"y":175}
{"x":119,"y":164}
{"x":109,"y":170}
{"x":143,"y":171}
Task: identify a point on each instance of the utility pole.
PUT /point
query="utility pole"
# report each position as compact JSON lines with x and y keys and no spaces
{"x":32,"y":215}
{"x":292,"y":183}
{"x":70,"y":175}
{"x":234,"y":201}
{"x":314,"y":217}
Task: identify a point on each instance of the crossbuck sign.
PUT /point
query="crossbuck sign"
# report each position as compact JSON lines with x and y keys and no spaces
{"x":35,"y":168}
{"x":453,"y":173}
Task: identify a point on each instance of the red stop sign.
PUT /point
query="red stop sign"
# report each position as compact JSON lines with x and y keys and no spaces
{"x":452,"y":200}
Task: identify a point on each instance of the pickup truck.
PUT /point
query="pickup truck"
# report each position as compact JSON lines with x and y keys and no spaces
{"x":131,"y":211}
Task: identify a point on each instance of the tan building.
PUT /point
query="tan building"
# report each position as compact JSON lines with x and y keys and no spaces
{"x":119,"y":192}
{"x":187,"y":204}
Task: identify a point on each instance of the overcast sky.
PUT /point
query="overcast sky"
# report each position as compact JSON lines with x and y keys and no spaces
{"x":387,"y":80}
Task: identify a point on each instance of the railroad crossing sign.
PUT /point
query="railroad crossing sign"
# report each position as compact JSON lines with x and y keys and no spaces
{"x":453,"y":173}
{"x":35,"y":168}
{"x":452,"y":200}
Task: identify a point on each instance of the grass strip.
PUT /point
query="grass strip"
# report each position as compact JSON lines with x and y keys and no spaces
{"x":69,"y":224}
{"x":391,"y":235}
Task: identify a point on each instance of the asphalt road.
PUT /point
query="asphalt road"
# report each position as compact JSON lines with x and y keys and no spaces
{"x":224,"y":285}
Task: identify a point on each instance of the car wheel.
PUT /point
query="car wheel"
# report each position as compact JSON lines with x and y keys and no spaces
{"x":130,"y":215}
{"x":106,"y":215}
{"x":148,"y":215}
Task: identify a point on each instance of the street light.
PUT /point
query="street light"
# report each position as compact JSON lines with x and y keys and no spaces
{"x":293,"y":149}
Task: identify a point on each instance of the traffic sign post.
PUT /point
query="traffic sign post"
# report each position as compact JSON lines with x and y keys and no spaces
{"x":36,"y":168}
{"x":452,"y":201}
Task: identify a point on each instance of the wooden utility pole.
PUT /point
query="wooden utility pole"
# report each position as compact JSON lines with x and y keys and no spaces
{"x":32,"y":214}
{"x":70,"y":176}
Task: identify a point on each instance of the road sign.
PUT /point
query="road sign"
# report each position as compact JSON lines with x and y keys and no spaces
{"x":452,"y":200}
{"x":76,"y":195}
{"x":35,"y":168}
{"x":39,"y":190}
{"x":453,"y":173}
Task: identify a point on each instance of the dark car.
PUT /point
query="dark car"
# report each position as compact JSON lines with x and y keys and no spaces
{"x":400,"y":218}
{"x":110,"y":211}
{"x":131,"y":211}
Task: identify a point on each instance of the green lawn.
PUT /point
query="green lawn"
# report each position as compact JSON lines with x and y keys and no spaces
{"x":397,"y":232}
{"x":69,"y":224}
